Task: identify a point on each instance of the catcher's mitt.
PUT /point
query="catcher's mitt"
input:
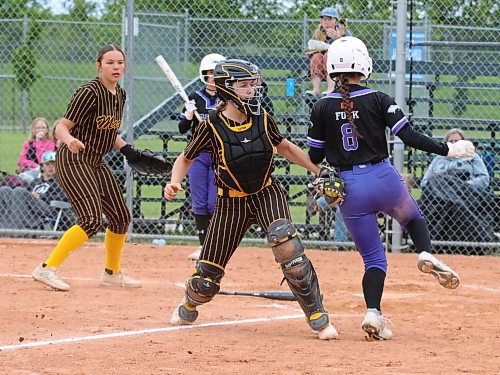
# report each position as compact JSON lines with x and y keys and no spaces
{"x":146,"y":162}
{"x":329,"y":184}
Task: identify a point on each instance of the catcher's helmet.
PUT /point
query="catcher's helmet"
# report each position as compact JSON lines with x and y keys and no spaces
{"x":348,"y":55}
{"x":208,"y":63}
{"x":228,"y":72}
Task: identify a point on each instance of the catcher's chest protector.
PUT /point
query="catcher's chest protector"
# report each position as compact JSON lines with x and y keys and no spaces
{"x":246,"y":153}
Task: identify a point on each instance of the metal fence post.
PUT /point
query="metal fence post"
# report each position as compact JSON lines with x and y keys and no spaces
{"x":129,"y":116}
{"x":398,"y":152}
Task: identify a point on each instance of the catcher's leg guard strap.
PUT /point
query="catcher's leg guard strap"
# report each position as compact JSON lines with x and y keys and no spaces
{"x":204,"y":284}
{"x":298,"y":271}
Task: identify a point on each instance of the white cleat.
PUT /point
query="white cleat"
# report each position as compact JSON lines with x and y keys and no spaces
{"x":184,"y":314}
{"x":320,"y":324}
{"x":50,"y":277}
{"x":328,"y":333}
{"x":195,"y":255}
{"x":374,"y":325}
{"x":119,"y":280}
{"x":448,"y":278}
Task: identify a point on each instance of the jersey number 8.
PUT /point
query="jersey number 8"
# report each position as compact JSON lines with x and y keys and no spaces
{"x":349,"y":139}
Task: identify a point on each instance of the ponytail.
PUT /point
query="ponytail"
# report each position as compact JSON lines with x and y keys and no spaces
{"x":346,"y":100}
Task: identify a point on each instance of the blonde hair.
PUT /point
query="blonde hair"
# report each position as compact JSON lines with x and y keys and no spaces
{"x":320,"y":33}
{"x":33,"y":125}
{"x":453,"y":131}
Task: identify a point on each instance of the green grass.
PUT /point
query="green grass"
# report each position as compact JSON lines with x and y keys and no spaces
{"x":10,"y":148}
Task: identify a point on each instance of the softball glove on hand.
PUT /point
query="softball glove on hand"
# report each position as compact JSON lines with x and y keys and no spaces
{"x":330,"y":185}
{"x":146,"y":162}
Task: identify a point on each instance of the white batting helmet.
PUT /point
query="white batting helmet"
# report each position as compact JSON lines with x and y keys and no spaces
{"x":348,"y":55}
{"x":208,"y":63}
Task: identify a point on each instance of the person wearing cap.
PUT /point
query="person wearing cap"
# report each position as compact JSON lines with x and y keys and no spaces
{"x":28,"y":208}
{"x":330,"y":28}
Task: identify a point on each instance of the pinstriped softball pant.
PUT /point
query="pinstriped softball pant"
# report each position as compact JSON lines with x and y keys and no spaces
{"x":233,"y":217}
{"x":93,"y":190}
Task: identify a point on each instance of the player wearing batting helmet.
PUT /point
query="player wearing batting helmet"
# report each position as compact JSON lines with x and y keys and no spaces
{"x":88,"y":130}
{"x":348,"y":127}
{"x":201,"y":174}
{"x":241,"y":137}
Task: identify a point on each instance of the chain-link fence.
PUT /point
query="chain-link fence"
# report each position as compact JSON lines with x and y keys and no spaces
{"x":448,"y":85}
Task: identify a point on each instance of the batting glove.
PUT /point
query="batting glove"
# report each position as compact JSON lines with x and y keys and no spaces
{"x":460,"y":149}
{"x":190,"y":108}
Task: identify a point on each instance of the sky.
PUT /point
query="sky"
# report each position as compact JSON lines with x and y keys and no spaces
{"x":57,"y":6}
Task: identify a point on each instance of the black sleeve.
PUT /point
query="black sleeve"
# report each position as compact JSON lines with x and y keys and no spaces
{"x":316,"y":154}
{"x":420,"y":141}
{"x":184,"y":125}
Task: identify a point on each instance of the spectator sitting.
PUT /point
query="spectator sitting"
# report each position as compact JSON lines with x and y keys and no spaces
{"x":40,"y":141}
{"x":329,"y":29}
{"x":456,"y":197}
{"x":22,"y":208}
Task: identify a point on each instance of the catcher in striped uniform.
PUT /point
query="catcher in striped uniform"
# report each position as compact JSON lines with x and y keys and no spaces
{"x":89,"y":130}
{"x":241,"y":139}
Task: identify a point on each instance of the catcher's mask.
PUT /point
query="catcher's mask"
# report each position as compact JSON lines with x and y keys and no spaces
{"x":227,"y":73}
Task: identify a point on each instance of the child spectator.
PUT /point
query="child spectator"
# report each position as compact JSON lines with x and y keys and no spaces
{"x":28,"y":208}
{"x":330,"y":28}
{"x":39,"y":142}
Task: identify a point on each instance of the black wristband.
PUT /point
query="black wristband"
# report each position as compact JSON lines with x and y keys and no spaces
{"x":129,"y":152}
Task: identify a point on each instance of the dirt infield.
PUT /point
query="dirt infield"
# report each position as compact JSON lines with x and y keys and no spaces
{"x":94,"y":330}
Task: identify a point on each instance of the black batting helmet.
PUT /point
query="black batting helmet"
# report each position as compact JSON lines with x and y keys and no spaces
{"x":229,"y":71}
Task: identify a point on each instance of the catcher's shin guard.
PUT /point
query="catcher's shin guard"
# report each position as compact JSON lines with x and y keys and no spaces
{"x":298,"y":271}
{"x":204,"y":284}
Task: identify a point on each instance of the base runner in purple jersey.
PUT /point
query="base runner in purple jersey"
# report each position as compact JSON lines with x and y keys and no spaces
{"x":348,"y":128}
{"x":201,"y":174}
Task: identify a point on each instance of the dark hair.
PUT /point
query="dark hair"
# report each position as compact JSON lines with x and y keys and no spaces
{"x":221,"y":106}
{"x":106,"y":48}
{"x":346,"y":100}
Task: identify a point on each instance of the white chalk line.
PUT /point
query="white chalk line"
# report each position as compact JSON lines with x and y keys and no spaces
{"x":139,"y":332}
{"x":143,"y":332}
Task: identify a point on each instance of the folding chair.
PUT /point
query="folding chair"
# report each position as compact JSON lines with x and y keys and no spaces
{"x":61,"y":206}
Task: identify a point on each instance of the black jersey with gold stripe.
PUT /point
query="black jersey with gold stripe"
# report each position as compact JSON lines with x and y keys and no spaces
{"x":241,"y":153}
{"x":97,"y":114}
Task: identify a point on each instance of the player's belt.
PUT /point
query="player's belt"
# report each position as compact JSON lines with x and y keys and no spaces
{"x":344,"y":168}
{"x":230,"y":193}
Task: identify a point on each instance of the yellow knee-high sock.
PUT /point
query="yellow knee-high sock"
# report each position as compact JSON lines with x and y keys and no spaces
{"x":70,"y":241}
{"x":114,"y":245}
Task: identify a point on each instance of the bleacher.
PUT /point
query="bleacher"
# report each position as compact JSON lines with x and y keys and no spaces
{"x":293,"y":124}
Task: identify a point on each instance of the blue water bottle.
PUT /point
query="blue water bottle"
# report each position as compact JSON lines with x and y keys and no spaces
{"x":290,"y":87}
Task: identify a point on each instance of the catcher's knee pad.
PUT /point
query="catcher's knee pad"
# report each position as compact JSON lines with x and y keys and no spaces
{"x":298,"y":271}
{"x":204,"y":284}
